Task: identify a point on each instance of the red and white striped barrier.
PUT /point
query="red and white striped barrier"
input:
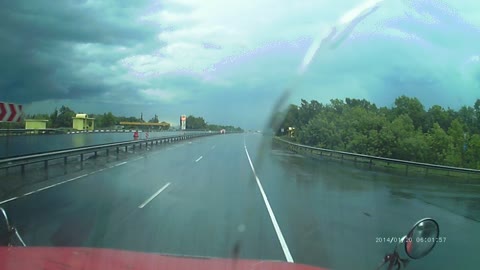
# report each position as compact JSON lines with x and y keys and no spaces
{"x":10,"y":112}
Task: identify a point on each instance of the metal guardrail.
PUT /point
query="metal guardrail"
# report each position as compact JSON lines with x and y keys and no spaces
{"x":45,"y":157}
{"x":371,"y":158}
{"x":21,"y":131}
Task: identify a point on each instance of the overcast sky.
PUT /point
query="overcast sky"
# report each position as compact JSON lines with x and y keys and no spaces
{"x":229,"y":61}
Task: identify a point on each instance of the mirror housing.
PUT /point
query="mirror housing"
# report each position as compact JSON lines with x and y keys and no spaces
{"x":421,"y":239}
{"x":5,"y":229}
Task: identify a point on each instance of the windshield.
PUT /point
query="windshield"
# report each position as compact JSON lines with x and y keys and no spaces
{"x":312,"y":132}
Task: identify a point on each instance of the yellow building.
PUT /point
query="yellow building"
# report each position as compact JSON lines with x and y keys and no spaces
{"x":35,"y":124}
{"x":81,"y":121}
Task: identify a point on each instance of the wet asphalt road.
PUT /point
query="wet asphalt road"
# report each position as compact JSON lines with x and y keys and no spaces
{"x":201,"y":198}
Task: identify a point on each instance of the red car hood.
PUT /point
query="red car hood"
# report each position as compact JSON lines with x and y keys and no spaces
{"x":50,"y":258}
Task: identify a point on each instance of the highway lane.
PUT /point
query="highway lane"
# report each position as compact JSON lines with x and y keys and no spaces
{"x":211,"y":207}
{"x":208,"y":203}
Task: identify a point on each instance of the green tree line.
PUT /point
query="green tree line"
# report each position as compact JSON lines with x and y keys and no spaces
{"x":200,"y":123}
{"x":62,"y":118}
{"x":404,"y":131}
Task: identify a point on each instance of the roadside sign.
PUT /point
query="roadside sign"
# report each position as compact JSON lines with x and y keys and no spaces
{"x":10,"y":112}
{"x":183,"y":122}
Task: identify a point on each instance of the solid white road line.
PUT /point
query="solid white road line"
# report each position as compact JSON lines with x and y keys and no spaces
{"x":198,"y":159}
{"x":69,"y":180}
{"x":11,"y":199}
{"x":120,"y":164}
{"x":153,"y":196}
{"x":281,"y":239}
{"x":44,"y":188}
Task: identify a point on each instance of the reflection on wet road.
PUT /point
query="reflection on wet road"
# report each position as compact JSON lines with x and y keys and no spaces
{"x":330,"y":214}
{"x":343,"y":209}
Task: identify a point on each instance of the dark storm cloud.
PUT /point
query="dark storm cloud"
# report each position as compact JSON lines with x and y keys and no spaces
{"x":38,"y":39}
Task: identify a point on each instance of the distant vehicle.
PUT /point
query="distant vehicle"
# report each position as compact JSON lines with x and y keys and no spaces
{"x":223,"y":131}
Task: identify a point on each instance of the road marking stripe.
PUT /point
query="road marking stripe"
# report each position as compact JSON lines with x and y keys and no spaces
{"x":281,"y":239}
{"x":198,"y":159}
{"x":120,"y":164}
{"x":44,"y":188}
{"x":153,"y":196}
{"x":11,"y":199}
{"x":63,"y":182}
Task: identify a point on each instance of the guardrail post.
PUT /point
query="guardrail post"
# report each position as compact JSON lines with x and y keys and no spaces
{"x":108,"y":152}
{"x":95,"y":153}
{"x":118,"y":150}
{"x":81,"y":161}
{"x":65,"y":161}
{"x":23,"y":169}
{"x":126,"y":148}
{"x":45,"y":164}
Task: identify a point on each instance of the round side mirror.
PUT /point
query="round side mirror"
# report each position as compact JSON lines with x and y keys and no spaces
{"x":422,"y":238}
